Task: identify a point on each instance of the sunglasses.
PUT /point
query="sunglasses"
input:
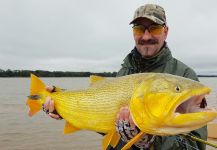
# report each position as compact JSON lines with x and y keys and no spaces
{"x":152,"y":29}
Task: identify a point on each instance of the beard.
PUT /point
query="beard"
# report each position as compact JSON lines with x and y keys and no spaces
{"x":147,"y":48}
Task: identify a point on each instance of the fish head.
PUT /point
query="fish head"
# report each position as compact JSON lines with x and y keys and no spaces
{"x":168,"y":105}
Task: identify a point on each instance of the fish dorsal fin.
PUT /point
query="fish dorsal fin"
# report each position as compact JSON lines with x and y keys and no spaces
{"x":69,"y":128}
{"x":95,"y":78}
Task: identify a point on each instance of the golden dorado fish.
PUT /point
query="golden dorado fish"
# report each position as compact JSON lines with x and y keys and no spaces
{"x":153,"y":100}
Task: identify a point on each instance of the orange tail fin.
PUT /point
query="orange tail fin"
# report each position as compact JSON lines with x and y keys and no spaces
{"x":37,"y":95}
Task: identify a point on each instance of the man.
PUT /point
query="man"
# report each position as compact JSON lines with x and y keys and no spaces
{"x":151,"y":54}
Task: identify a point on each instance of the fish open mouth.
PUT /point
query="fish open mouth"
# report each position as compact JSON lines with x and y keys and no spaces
{"x":191,"y":113}
{"x":193,"y":104}
{"x":193,"y":101}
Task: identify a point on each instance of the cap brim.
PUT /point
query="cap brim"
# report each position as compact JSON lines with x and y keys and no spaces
{"x":152,"y":18}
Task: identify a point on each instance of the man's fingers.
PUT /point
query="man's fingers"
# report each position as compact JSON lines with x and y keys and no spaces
{"x":47,"y":103}
{"x":121,"y":114}
{"x":117,"y":118}
{"x":48,"y":107}
{"x":54,"y":116}
{"x":132,"y":124}
{"x":49,"y":88}
{"x":124,"y":113}
{"x":51,"y":106}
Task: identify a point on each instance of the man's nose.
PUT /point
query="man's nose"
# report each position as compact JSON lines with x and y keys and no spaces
{"x":146,"y":35}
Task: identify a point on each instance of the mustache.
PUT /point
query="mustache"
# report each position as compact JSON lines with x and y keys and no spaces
{"x":147,"y":42}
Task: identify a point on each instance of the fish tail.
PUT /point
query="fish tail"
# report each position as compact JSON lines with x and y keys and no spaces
{"x":37,"y":94}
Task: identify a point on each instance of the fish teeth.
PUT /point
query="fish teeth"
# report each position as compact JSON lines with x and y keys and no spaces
{"x":176,"y":114}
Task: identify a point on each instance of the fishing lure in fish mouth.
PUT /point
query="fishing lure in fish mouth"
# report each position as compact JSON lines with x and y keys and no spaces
{"x":153,"y":99}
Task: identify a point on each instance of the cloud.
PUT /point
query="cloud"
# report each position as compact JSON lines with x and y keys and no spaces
{"x":94,"y":35}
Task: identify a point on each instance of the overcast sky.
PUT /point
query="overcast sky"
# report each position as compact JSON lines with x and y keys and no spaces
{"x":95,"y":35}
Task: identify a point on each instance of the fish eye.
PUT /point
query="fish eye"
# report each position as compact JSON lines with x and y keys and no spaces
{"x":178,"y":89}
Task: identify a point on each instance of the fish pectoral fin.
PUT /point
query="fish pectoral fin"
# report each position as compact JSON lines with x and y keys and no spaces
{"x":70,"y":128}
{"x":115,"y":139}
{"x":111,"y":138}
{"x":93,"y":79}
{"x":133,"y":141}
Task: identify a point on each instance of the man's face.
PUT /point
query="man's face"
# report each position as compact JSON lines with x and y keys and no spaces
{"x":147,"y":44}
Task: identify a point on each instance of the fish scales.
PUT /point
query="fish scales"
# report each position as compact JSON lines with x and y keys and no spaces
{"x":87,"y":106}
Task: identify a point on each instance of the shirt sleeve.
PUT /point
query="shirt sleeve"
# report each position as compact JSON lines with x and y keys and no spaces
{"x":180,"y":143}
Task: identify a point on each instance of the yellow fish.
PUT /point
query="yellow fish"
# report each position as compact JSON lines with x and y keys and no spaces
{"x":153,"y":99}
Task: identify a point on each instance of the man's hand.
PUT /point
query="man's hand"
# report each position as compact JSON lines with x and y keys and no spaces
{"x":48,"y":105}
{"x":124,"y":115}
{"x":127,"y":129}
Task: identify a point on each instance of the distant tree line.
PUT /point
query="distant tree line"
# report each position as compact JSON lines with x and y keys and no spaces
{"x":207,"y":75}
{"x":43,"y":73}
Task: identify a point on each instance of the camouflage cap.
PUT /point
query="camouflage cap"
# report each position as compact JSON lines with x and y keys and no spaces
{"x":150,"y":11}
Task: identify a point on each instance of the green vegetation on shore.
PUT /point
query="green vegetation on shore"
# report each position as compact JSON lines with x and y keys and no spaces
{"x":43,"y":73}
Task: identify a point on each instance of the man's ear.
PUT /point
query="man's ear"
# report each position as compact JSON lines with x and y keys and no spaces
{"x":166,"y":30}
